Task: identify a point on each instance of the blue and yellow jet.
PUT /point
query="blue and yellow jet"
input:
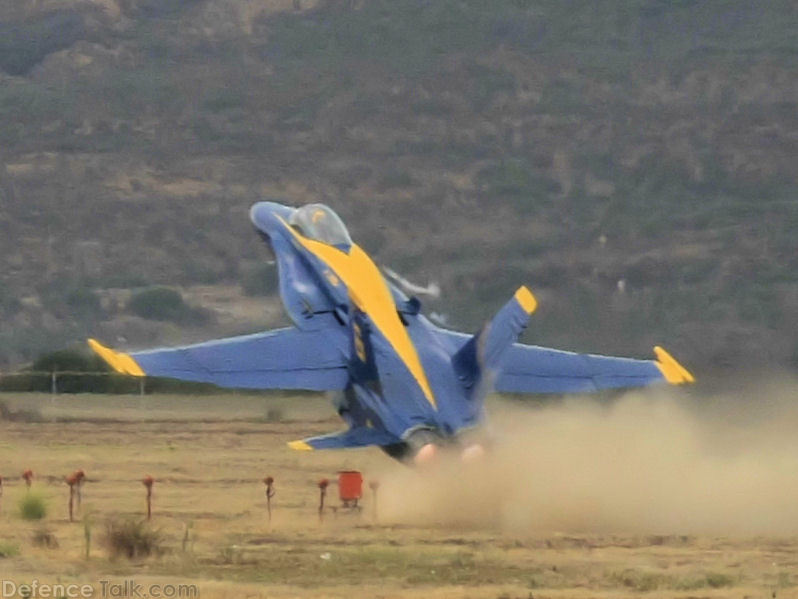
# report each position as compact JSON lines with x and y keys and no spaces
{"x":404,"y":384}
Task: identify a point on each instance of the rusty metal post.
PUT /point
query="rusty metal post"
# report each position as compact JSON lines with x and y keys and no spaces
{"x":323,"y":484}
{"x":27,"y":475}
{"x":269,"y":482}
{"x":148,"y":481}
{"x":71,"y":480}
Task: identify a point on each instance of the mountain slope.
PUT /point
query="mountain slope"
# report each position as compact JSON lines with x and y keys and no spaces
{"x":634,"y":164}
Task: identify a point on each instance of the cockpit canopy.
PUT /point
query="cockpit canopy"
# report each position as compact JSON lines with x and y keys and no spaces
{"x":319,"y":222}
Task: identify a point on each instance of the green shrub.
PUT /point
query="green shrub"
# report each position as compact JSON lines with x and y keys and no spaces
{"x":69,"y":360}
{"x":32,"y":506}
{"x":8,"y":549}
{"x":132,"y":539}
{"x":163,"y":303}
{"x":157,"y":303}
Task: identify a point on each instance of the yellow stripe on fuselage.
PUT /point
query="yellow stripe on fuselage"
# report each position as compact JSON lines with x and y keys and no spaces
{"x":369,"y":292}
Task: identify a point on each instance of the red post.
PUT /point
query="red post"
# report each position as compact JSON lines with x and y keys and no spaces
{"x":148,"y":481}
{"x":71,"y":480}
{"x":79,"y":476}
{"x":323,"y":484}
{"x":269,"y":482}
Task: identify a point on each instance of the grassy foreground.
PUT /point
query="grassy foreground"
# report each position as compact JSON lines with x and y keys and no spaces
{"x":209,"y":456}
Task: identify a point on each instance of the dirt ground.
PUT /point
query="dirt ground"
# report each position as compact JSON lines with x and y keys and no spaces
{"x":644,"y":498}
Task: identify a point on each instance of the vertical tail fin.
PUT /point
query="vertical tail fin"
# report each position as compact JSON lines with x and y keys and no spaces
{"x":482,"y":354}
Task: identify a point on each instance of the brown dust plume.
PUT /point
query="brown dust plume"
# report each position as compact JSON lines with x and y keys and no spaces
{"x":649,"y":462}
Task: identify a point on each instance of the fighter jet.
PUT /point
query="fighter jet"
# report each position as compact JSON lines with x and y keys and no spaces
{"x":402,"y":383}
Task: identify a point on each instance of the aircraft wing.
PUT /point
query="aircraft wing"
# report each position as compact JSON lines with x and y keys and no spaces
{"x":532,"y":369}
{"x":361,"y":436}
{"x":281,"y":359}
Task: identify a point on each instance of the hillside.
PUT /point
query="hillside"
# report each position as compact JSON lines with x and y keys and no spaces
{"x":634,"y":163}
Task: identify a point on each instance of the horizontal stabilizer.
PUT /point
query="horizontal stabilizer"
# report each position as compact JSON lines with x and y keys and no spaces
{"x":361,"y":436}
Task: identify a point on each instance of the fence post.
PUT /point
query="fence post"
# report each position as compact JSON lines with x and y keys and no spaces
{"x":53,"y":384}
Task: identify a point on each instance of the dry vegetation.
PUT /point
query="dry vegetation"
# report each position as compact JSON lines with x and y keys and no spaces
{"x":210,"y":454}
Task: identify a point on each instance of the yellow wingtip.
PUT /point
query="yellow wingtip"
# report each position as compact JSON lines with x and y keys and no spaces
{"x":674,"y":373}
{"x":119,"y":361}
{"x":524,"y":297}
{"x":299,"y":446}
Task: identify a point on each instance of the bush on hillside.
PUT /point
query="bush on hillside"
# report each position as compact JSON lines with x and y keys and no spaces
{"x":69,"y":360}
{"x":163,"y":303}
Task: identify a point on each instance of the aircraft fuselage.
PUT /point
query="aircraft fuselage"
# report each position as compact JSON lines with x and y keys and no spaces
{"x":401,"y":374}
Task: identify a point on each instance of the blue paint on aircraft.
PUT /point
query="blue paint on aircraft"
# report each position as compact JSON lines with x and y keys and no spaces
{"x":400,"y":386}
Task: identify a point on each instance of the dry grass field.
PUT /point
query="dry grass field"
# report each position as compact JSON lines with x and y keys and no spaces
{"x":592,"y":522}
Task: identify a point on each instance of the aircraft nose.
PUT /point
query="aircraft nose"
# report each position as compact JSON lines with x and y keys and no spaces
{"x":263,"y":214}
{"x":260,"y":214}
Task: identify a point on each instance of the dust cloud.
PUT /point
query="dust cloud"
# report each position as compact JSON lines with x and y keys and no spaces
{"x":654,"y":462}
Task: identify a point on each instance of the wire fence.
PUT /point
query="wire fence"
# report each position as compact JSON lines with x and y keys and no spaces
{"x":67,"y":381}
